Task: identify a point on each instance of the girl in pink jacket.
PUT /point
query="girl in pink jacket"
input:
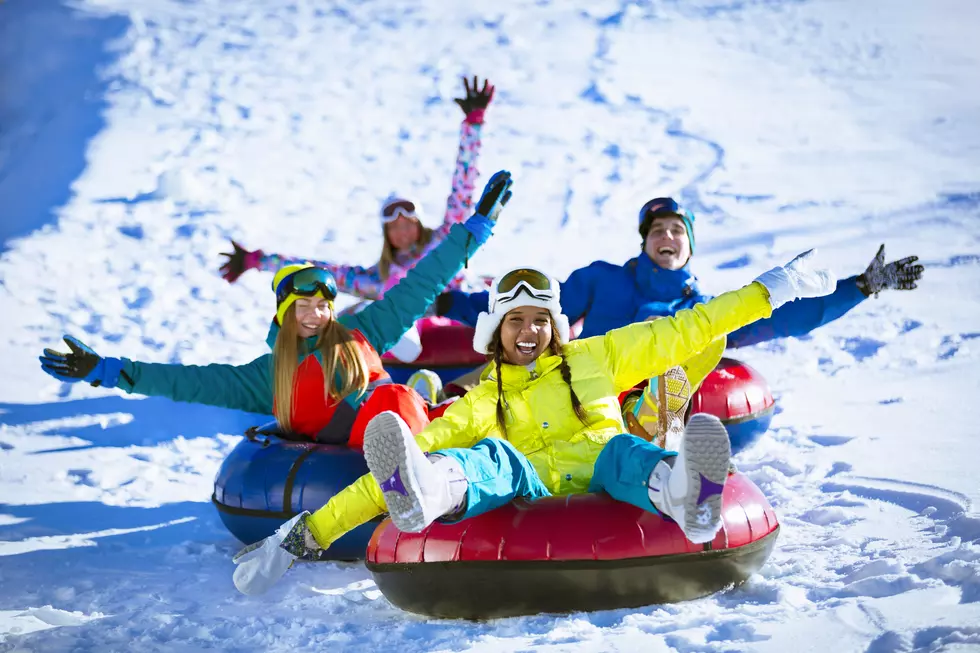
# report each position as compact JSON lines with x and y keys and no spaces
{"x":406,"y":239}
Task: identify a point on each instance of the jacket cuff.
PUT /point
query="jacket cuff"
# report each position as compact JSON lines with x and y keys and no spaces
{"x":476,"y":116}
{"x":480,"y":226}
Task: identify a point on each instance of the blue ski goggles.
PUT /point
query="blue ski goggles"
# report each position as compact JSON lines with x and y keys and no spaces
{"x":307,"y":283}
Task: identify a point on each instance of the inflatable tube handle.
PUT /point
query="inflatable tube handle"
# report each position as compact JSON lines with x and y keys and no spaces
{"x":253,"y":432}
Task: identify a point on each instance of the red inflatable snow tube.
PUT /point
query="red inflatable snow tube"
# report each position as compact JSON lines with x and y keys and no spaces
{"x":447,"y":350}
{"x":565,"y":554}
{"x":739,"y":396}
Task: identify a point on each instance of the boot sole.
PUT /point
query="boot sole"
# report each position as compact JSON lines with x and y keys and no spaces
{"x":707,"y":453}
{"x":386,"y":450}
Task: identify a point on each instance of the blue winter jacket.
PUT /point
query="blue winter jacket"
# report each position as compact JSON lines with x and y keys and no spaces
{"x":611,"y":296}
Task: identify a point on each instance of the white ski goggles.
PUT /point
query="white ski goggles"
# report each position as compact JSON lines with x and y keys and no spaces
{"x":535,"y":283}
{"x":398,"y":209}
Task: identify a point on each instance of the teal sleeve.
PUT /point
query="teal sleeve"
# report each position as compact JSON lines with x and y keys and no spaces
{"x":243,"y":387}
{"x":387,"y":320}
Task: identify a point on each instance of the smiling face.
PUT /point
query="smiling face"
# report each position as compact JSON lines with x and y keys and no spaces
{"x":525,"y":334}
{"x":403,"y":232}
{"x":667,"y":243}
{"x":312,"y":314}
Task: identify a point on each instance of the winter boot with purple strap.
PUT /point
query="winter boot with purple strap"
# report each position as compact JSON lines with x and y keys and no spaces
{"x":418,"y":489}
{"x":689,"y":487}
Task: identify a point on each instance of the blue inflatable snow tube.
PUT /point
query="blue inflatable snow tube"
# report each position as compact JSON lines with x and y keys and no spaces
{"x":266,"y":480}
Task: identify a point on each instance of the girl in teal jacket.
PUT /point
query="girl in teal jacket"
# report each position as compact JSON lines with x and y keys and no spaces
{"x":324,"y":378}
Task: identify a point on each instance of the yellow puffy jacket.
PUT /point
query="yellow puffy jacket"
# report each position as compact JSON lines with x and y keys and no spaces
{"x":539,"y":416}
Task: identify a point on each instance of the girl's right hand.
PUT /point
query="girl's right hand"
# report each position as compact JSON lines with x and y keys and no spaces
{"x":239,"y":261}
{"x":474,"y":105}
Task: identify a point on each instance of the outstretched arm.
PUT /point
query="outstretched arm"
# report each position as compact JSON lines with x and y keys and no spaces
{"x":647,"y":349}
{"x":800,"y":317}
{"x":804,"y":315}
{"x":354,"y":279}
{"x":245,"y":387}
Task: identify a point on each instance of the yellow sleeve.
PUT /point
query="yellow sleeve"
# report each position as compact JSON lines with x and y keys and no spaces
{"x":356,"y":504}
{"x":362,"y":500}
{"x":645,"y":349}
{"x":455,"y":429}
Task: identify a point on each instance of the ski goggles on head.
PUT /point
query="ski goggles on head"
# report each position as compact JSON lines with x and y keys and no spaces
{"x":663,"y":206}
{"x":307,"y":283}
{"x":533,"y":282}
{"x":398,"y":209}
{"x":660,"y":207}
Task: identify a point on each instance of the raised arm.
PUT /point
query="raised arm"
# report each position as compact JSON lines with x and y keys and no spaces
{"x":474,"y":104}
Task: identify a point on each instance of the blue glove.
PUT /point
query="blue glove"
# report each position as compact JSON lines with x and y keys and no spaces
{"x":82,"y":364}
{"x":495,"y":196}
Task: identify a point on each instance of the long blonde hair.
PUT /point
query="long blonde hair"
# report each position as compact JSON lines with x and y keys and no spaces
{"x":556,"y":347}
{"x":339,"y":354}
{"x":388,"y":252}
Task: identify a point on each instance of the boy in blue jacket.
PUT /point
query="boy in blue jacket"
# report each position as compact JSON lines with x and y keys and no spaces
{"x":659,"y":282}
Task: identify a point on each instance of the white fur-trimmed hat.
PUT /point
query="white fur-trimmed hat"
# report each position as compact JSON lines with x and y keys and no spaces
{"x":521,"y":287}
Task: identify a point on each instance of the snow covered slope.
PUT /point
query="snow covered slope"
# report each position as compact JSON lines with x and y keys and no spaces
{"x":137,"y":136}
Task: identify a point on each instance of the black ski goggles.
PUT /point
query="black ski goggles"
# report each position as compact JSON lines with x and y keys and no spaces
{"x":533,"y":282}
{"x":306,"y":283}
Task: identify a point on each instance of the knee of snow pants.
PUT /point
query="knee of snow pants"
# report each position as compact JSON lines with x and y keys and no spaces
{"x":496,"y":473}
{"x":623,"y":469}
{"x":394,"y":397}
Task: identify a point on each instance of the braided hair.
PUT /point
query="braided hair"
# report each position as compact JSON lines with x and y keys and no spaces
{"x":556,"y":348}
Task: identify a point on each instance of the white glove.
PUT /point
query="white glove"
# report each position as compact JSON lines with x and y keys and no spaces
{"x":260,"y":565}
{"x":409,"y":346}
{"x":801,"y":277}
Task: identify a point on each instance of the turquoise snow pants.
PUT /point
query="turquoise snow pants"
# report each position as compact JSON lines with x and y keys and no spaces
{"x":497,"y":473}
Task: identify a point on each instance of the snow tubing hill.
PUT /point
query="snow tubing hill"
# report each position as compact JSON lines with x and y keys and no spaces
{"x":447,"y":350}
{"x":740,"y":397}
{"x":266,"y":480}
{"x":567,"y":554}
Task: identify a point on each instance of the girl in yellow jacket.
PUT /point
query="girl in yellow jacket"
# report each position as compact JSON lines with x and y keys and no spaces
{"x":544,"y":420}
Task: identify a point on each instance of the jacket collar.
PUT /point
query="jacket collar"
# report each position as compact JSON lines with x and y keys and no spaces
{"x":659,"y":284}
{"x":518,"y":376}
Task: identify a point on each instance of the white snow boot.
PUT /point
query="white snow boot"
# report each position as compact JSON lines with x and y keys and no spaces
{"x":689,"y":489}
{"x":417,"y":489}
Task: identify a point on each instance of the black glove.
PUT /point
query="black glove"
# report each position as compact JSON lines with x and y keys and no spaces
{"x":899,"y":275}
{"x":81,"y":363}
{"x":443,"y":303}
{"x":474,"y":105}
{"x":495,"y":196}
{"x":239,"y":261}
